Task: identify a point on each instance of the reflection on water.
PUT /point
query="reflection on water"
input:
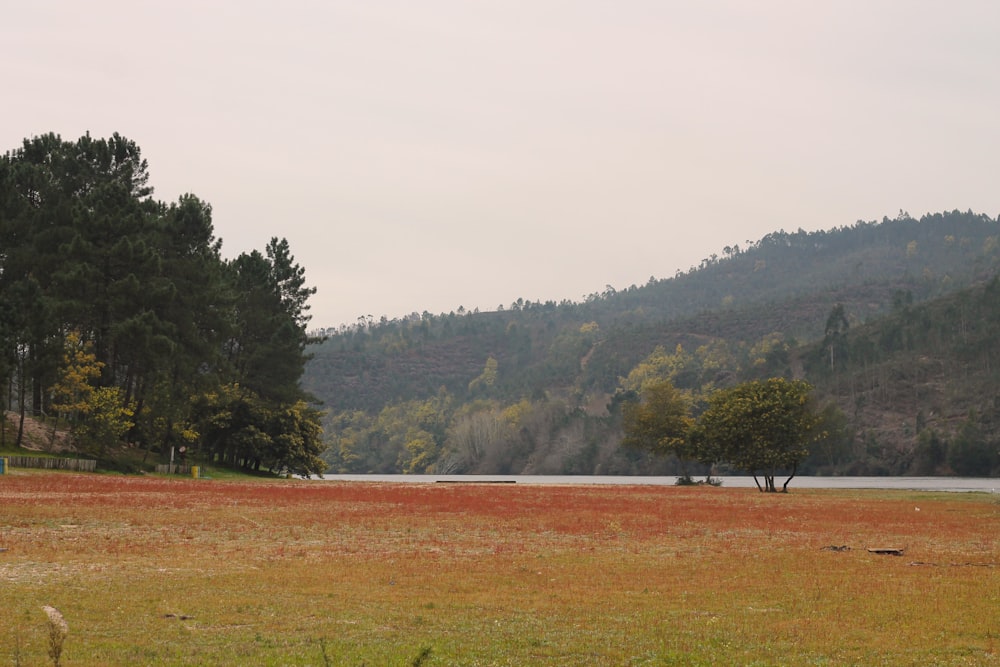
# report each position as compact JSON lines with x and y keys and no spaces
{"x":989,"y":485}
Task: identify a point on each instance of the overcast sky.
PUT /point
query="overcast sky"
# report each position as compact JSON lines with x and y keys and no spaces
{"x":444,"y":153}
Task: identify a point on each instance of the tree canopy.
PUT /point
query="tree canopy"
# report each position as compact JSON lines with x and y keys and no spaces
{"x":89,"y":259}
{"x":761,"y":426}
{"x":659,"y":422}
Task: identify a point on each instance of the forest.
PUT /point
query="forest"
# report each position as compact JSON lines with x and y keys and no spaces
{"x":120,"y":319}
{"x":892,"y":323}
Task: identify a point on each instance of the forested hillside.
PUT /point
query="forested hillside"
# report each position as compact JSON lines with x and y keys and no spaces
{"x":119,"y":317}
{"x":919,"y":388}
{"x":534,"y":387}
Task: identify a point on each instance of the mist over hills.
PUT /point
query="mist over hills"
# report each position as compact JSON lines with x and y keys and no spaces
{"x":533,"y":387}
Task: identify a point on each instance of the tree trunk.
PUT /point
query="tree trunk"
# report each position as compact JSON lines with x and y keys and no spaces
{"x":784,"y":487}
{"x":36,"y":387}
{"x":52,"y":436}
{"x":21,"y":408}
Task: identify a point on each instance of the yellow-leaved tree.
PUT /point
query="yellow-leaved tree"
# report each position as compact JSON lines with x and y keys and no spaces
{"x":97,"y":415}
{"x":107,"y":419}
{"x":70,"y":395}
{"x":659,"y":422}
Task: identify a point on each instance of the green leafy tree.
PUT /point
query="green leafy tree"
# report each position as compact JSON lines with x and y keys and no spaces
{"x":929,"y":453}
{"x":971,"y":452}
{"x":421,"y":451}
{"x":230,"y":421}
{"x":297,"y":440}
{"x":763,"y":427}
{"x":660,"y":422}
{"x":241,"y":429}
{"x":348,"y":439}
{"x":718,"y":364}
{"x":831,"y":447}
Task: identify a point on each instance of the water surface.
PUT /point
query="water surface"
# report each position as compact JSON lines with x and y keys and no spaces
{"x":983,"y":484}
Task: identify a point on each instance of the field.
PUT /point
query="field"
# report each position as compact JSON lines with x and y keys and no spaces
{"x":152,"y":571}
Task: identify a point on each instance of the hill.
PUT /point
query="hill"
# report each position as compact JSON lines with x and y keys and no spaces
{"x":535,"y":383}
{"x":918,"y":386}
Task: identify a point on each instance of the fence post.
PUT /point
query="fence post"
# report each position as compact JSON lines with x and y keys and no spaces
{"x":3,"y":465}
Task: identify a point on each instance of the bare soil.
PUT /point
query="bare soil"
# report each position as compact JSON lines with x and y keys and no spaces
{"x":37,"y":434}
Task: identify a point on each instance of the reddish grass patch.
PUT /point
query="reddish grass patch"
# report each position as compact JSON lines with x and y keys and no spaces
{"x":495,"y":574}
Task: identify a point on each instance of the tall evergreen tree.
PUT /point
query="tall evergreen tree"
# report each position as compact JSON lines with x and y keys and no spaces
{"x":268,"y":350}
{"x":84,"y":247}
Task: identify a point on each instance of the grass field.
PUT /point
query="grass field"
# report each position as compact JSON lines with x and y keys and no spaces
{"x":151,"y":571}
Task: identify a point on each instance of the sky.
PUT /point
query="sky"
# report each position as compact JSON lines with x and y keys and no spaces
{"x":422,"y":156}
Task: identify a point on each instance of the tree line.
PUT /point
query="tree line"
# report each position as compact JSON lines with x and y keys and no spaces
{"x":119,"y":315}
{"x":482,"y":431}
{"x":784,"y":283}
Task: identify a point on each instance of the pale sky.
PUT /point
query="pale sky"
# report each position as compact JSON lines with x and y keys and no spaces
{"x":444,"y":153}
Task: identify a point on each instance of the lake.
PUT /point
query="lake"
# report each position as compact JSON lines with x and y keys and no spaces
{"x":954,"y":484}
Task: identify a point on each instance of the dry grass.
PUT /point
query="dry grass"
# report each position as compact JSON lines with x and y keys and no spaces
{"x":195,"y":572}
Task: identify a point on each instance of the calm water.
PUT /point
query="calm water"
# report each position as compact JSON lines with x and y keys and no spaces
{"x":989,"y":485}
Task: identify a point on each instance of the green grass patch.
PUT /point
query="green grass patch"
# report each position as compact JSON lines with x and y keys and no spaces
{"x":150,"y":570}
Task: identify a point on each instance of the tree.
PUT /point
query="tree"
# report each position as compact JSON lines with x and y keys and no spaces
{"x":103,"y":266}
{"x":659,"y":422}
{"x":680,"y":368}
{"x":240,"y":428}
{"x":176,"y":343}
{"x":762,"y":427}
{"x":835,"y":331}
{"x":97,"y":415}
{"x":35,"y":220}
{"x":107,"y":418}
{"x":971,"y":452}
{"x":71,"y":394}
{"x":421,"y":451}
{"x":297,"y":440}
{"x":267,"y":350}
{"x":487,"y":378}
{"x":476,"y":433}
{"x":84,"y":248}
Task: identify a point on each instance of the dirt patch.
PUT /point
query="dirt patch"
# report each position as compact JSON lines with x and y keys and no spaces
{"x":37,"y":435}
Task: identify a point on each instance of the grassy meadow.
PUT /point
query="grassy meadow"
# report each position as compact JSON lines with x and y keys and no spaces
{"x":154,"y":571}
